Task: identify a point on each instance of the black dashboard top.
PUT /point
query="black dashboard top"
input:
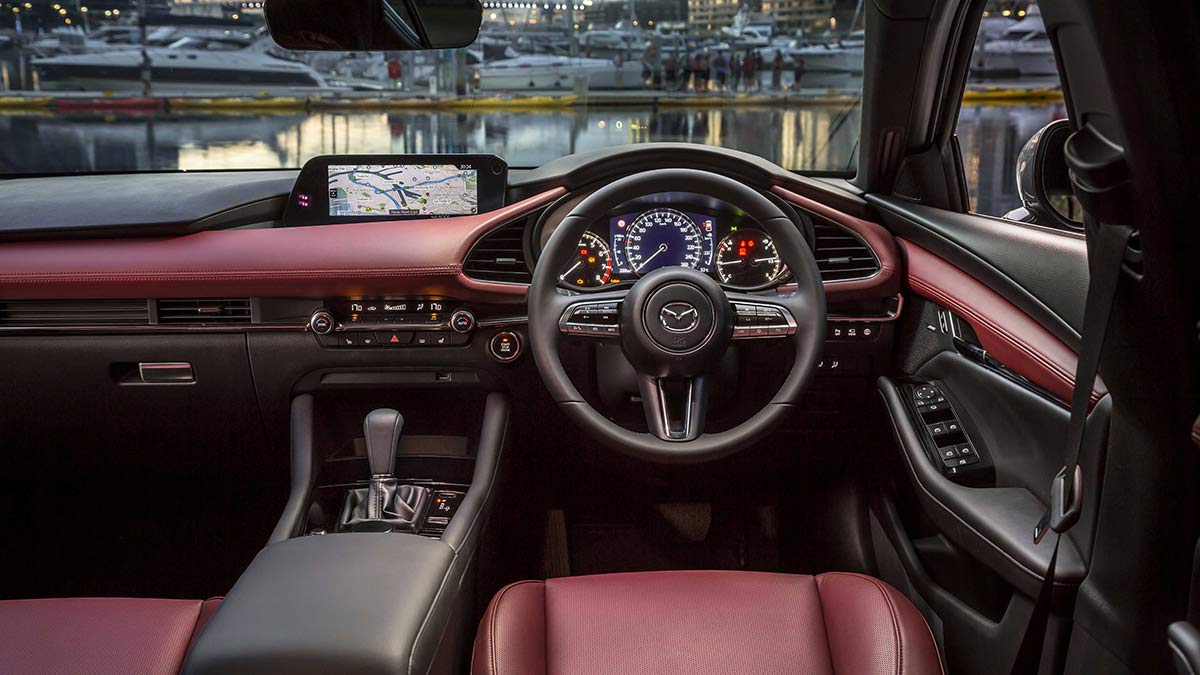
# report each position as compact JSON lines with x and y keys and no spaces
{"x":175,"y":203}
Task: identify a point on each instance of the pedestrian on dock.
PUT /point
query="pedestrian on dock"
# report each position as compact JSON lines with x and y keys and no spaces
{"x":704,"y":71}
{"x":797,"y":73}
{"x":649,"y":78}
{"x":735,"y":66}
{"x":669,"y":68}
{"x":777,"y":71}
{"x":748,"y":75}
{"x":759,"y":67}
{"x":721,"y":70}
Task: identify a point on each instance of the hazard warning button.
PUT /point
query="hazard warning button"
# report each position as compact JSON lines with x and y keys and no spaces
{"x":393,"y":338}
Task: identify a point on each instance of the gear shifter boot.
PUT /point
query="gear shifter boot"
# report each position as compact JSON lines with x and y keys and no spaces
{"x":384,"y":506}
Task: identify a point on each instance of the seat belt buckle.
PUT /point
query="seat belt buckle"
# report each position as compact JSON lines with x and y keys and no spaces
{"x":1065,"y":501}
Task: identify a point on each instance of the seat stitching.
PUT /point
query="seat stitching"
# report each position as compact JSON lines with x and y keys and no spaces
{"x":824,"y":624}
{"x":895,"y":624}
{"x":492,"y":621}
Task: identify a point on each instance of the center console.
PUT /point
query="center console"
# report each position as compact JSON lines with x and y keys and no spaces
{"x":369,"y":569}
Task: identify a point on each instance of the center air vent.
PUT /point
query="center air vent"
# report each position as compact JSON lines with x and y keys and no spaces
{"x":500,"y":256}
{"x":841,"y":255}
{"x":57,"y":313}
{"x":219,"y":312}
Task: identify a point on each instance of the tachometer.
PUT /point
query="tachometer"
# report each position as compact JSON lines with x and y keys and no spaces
{"x":748,"y":258}
{"x":663,"y":238}
{"x":592,"y":265}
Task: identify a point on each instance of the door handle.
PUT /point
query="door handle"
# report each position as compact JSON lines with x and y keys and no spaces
{"x":166,"y":372}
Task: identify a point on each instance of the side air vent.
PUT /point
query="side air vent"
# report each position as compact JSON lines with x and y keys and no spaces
{"x":500,"y":256}
{"x":220,"y":312}
{"x":841,"y":255}
{"x":37,"y":313}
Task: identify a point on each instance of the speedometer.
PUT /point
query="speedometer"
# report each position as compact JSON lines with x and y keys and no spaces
{"x":663,"y":238}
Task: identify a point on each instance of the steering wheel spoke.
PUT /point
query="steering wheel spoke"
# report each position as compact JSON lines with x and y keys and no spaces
{"x":596,"y":315}
{"x":675,"y":408}
{"x":761,"y":316}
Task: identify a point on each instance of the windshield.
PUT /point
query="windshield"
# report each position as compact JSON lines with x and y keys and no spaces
{"x":87,"y":87}
{"x":777,"y":78}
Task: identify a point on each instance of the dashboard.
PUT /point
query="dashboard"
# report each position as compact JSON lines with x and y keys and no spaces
{"x":675,"y":230}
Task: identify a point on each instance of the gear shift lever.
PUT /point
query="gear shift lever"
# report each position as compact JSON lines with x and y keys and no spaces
{"x":382,"y":431}
{"x":384,"y":505}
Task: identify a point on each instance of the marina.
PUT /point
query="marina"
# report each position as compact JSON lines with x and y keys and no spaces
{"x":210,"y":89}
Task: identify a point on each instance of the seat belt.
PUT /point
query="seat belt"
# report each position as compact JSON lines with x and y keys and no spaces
{"x":1106,"y":258}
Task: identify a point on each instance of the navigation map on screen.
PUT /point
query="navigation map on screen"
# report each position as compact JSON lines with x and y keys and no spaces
{"x":403,"y":190}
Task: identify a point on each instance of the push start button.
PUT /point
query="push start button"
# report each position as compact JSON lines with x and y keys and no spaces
{"x":505,"y":346}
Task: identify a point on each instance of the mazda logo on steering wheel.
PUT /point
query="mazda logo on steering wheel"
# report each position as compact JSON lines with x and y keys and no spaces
{"x":679,"y":317}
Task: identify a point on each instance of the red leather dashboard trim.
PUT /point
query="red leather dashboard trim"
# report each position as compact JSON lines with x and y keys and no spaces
{"x":886,"y":281}
{"x":1009,"y":335}
{"x":415,"y":257}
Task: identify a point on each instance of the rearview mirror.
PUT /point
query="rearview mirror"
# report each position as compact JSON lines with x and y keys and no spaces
{"x":373,"y":25}
{"x":1044,"y":182}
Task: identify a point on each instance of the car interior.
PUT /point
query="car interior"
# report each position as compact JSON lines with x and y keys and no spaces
{"x":653,"y":408}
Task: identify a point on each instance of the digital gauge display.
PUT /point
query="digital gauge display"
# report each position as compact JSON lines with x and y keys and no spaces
{"x":662,"y":237}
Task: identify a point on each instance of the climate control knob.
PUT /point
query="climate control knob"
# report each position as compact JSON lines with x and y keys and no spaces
{"x":462,"y":321}
{"x":321,"y":322}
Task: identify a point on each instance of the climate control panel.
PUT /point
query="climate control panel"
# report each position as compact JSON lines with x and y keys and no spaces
{"x":392,"y":322}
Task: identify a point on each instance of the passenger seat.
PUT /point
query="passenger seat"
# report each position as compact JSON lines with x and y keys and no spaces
{"x":99,"y":636}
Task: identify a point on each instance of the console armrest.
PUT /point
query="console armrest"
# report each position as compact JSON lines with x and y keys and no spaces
{"x":341,"y":603}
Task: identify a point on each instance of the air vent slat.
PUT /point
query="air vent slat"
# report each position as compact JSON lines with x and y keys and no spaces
{"x":222,"y":311}
{"x":500,"y":256}
{"x":59,"y":313}
{"x":841,"y":255}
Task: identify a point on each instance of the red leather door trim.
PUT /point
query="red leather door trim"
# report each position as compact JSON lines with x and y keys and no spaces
{"x":415,"y":257}
{"x":1009,"y":335}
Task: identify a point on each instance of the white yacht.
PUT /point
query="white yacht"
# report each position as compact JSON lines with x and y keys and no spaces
{"x":1022,"y":49}
{"x":191,"y":65}
{"x":842,"y":57}
{"x":543,"y":72}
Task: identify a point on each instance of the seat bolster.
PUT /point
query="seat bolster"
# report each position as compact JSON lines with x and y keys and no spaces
{"x":512,"y":634}
{"x":873,"y":628}
{"x":99,"y":635}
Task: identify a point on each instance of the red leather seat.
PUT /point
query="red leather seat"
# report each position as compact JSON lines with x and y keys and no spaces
{"x":99,"y":635}
{"x":699,"y":623}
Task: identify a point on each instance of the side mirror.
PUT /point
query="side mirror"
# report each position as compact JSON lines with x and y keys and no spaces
{"x":373,"y":25}
{"x":1044,"y":181}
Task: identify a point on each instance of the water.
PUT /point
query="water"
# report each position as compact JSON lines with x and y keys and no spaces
{"x":817,"y":138}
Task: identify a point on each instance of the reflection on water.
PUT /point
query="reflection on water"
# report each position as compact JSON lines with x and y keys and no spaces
{"x":819,"y":138}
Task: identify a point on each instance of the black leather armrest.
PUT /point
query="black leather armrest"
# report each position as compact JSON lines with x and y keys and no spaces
{"x":341,"y":603}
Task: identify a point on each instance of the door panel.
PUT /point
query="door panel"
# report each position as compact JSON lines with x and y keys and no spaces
{"x":991,"y":323}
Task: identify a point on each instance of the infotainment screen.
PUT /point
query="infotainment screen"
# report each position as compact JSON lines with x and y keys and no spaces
{"x":357,"y":188}
{"x":403,"y":190}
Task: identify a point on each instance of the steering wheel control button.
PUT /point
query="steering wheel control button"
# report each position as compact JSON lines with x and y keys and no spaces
{"x":754,"y":320}
{"x":505,"y":346}
{"x":462,"y":321}
{"x":321,"y":322}
{"x":596,"y":318}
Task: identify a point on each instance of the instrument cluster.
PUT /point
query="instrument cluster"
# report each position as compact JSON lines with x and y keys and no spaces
{"x":723,"y":243}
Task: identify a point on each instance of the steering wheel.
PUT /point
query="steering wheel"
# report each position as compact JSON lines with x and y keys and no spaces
{"x":674,"y":325}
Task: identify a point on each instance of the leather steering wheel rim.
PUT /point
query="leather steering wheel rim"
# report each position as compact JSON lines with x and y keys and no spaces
{"x":806,"y":304}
